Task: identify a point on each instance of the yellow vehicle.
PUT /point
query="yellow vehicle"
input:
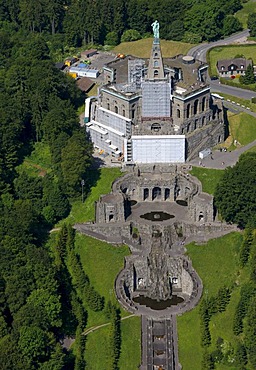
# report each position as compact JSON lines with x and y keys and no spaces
{"x":72,"y":74}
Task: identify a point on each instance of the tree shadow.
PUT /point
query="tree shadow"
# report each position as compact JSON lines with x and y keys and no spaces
{"x":93,"y":174}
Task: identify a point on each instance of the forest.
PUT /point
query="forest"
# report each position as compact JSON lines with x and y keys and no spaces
{"x":77,"y":22}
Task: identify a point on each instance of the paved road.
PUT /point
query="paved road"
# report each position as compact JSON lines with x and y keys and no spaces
{"x":221,"y":160}
{"x":199,"y":52}
{"x":230,"y":90}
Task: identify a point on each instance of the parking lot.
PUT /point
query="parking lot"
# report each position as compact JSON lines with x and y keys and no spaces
{"x":99,"y":60}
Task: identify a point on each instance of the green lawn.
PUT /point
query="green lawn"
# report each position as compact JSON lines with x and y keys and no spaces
{"x":142,"y":48}
{"x":103,"y":179}
{"x":208,"y":177}
{"x":242,"y":127}
{"x":102,"y":263}
{"x":217,"y":265}
{"x":227,"y":52}
{"x":96,"y":348}
{"x":130,"y":356}
{"x":248,"y":8}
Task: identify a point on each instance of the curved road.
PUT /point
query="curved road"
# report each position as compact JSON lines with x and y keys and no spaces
{"x":199,"y":52}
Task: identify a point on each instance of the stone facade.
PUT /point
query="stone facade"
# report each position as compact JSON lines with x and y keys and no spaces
{"x":151,"y":99}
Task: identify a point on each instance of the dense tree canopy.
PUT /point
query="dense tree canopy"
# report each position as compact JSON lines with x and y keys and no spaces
{"x":251,"y":23}
{"x":38,"y":104}
{"x":90,"y":21}
{"x":235,"y":194}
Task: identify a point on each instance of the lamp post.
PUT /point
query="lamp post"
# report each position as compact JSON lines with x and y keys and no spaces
{"x":82,"y":183}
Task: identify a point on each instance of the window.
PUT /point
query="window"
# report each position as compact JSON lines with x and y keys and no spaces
{"x":188,"y":110}
{"x":196,"y":106}
{"x":203,"y":103}
{"x":116,"y":109}
{"x":178,"y":113}
{"x":155,"y":63}
{"x":155,"y":73}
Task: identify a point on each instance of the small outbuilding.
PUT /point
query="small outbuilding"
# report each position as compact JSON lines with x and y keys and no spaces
{"x":88,"y":53}
{"x":61,"y":66}
{"x":70,"y":61}
{"x":85,"y":84}
{"x":84,"y":71}
{"x":204,"y":153}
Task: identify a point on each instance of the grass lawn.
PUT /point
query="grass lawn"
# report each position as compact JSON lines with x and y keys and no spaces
{"x":96,"y":346}
{"x":96,"y":350}
{"x":216,"y":264}
{"x":142,"y":48}
{"x":229,"y":52}
{"x":102,"y":179}
{"x":39,"y":161}
{"x":208,"y":177}
{"x":248,"y":8}
{"x":102,"y":262}
{"x":242,"y":127}
{"x":130,"y":347}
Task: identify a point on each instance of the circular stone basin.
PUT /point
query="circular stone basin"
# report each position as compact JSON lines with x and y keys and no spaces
{"x":182,"y":202}
{"x":158,"y":305}
{"x":157,"y":216}
{"x":133,"y":202}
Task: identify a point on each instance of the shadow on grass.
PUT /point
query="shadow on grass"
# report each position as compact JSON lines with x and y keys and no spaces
{"x":93,"y":174}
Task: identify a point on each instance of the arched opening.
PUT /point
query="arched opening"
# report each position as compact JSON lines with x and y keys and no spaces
{"x":156,"y":193}
{"x":203,"y":121}
{"x":188,"y":127}
{"x":196,"y":123}
{"x":155,"y":73}
{"x":219,"y":139}
{"x":196,"y":106}
{"x":108,"y":106}
{"x":166,"y":193}
{"x":203,"y":103}
{"x":110,"y":218}
{"x":201,"y":216}
{"x":188,"y":111}
{"x":145,"y":194}
{"x":178,"y":113}
{"x":133,"y":111}
{"x":156,"y":55}
{"x":155,"y":127}
{"x":116,"y":109}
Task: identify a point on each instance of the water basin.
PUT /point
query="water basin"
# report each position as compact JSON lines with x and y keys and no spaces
{"x":158,"y":305}
{"x":157,"y":216}
{"x":182,"y":202}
